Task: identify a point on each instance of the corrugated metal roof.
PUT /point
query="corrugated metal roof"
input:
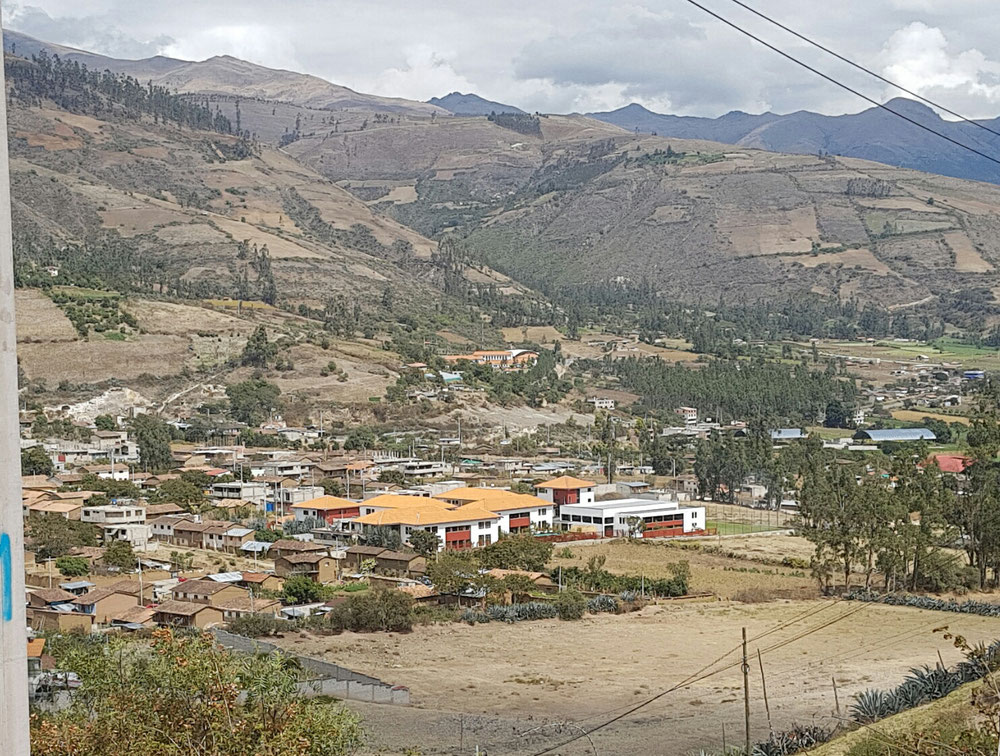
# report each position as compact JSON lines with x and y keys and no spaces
{"x":76,"y":585}
{"x":899,"y":434}
{"x":255,"y":546}
{"x":787,"y":434}
{"x":225,"y":577}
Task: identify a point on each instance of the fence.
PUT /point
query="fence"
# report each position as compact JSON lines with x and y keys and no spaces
{"x":330,"y":679}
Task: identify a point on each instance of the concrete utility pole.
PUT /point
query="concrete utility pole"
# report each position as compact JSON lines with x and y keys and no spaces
{"x":13,"y":638}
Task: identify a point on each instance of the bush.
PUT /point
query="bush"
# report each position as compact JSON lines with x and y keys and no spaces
{"x":71,"y":566}
{"x":380,"y":609}
{"x":256,"y":625}
{"x":570,"y":604}
{"x":299,"y":589}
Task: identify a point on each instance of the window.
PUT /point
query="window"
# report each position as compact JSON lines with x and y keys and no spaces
{"x":543,"y":512}
{"x":586,"y":518}
{"x":485,"y":525}
{"x":575,"y":518}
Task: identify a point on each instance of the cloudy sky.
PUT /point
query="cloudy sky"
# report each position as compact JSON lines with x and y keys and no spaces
{"x":563,"y":55}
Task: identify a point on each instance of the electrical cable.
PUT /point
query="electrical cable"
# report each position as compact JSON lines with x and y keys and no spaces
{"x":840,"y":84}
{"x":868,"y":71}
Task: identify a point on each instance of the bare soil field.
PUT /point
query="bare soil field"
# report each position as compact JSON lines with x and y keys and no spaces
{"x":183,"y":320}
{"x":850,"y":258}
{"x":101,"y":359}
{"x":742,"y":578}
{"x":39,"y":318}
{"x":916,"y":416}
{"x":537,"y":334}
{"x":504,"y":687}
{"x":967,"y":257}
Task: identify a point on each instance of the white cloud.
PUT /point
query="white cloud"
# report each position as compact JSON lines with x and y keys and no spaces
{"x":917,"y":56}
{"x":426,"y":73}
{"x":266,"y":45}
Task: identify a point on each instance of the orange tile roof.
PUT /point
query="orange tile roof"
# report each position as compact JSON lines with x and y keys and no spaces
{"x":428,"y":515}
{"x":403,"y":501}
{"x":566,"y":483}
{"x":325,"y":502}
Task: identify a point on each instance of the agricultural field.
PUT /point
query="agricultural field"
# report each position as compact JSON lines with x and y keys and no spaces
{"x":505,"y":687}
{"x":916,"y":416}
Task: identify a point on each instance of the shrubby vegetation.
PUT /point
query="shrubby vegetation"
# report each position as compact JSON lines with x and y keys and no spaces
{"x":182,"y":694}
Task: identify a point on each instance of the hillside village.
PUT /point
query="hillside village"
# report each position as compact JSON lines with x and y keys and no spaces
{"x":481,"y":428}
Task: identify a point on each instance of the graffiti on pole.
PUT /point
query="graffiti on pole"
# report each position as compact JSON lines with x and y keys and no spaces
{"x":6,"y":580}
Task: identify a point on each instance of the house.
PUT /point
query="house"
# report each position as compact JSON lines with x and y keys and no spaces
{"x":955,"y":464}
{"x":107,"y":472}
{"x":36,"y":649}
{"x":286,"y":546}
{"x":619,"y":517}
{"x":631,"y":487}
{"x":136,"y":535}
{"x":288,"y":496}
{"x":566,"y":490}
{"x":159,"y":510}
{"x":355,"y":555}
{"x":114,"y":514}
{"x":250,"y":491}
{"x":104,"y":603}
{"x":59,"y":620}
{"x":134,"y":618}
{"x":163,"y":527}
{"x":205,"y":591}
{"x":401,"y":563}
{"x":187,"y":614}
{"x":602,"y":403}
{"x":45,"y":598}
{"x":77,"y":587}
{"x":187,"y":533}
{"x":319,"y":567}
{"x":234,"y":538}
{"x":689,"y":414}
{"x":330,"y":509}
{"x":258,"y":581}
{"x":247,"y":605}
{"x":785,"y":435}
{"x":504,"y":359}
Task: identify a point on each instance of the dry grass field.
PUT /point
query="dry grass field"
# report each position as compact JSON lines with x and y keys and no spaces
{"x":39,"y":319}
{"x":916,"y":416}
{"x":503,"y":687}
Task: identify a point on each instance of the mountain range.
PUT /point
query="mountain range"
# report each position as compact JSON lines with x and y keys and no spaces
{"x":356,"y":199}
{"x":872,"y":134}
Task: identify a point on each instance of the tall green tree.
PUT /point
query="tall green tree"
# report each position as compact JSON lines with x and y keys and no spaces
{"x":152,"y":435}
{"x":252,"y":400}
{"x":34,"y":461}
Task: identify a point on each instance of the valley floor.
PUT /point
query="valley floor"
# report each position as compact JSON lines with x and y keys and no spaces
{"x":506,"y":687}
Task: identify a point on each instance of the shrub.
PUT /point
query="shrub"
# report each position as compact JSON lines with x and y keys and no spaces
{"x":71,"y":566}
{"x":255,"y":625}
{"x":600,"y":604}
{"x":380,"y":609}
{"x":570,"y":604}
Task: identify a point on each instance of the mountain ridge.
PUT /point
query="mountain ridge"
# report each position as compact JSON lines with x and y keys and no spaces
{"x":471,"y":104}
{"x":871,"y":134}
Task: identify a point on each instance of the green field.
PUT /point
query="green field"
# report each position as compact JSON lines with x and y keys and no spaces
{"x":724,"y":527}
{"x":80,"y":292}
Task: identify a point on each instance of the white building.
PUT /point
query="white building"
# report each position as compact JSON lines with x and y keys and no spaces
{"x":619,"y":517}
{"x":690,"y":414}
{"x":602,"y":403}
{"x":255,"y":493}
{"x":114,"y":514}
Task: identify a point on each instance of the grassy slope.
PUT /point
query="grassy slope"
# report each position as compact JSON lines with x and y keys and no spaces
{"x":950,"y":710}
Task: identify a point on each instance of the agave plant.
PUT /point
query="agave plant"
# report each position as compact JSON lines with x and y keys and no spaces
{"x":872,"y":705}
{"x":600,"y":604}
{"x":798,"y":738}
{"x":473,"y":617}
{"x":981,"y":608}
{"x":534,"y":610}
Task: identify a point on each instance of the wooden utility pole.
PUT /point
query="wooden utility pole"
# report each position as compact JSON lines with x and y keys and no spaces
{"x":836,"y":697}
{"x":746,"y":694}
{"x":763,"y":685}
{"x":13,"y":639}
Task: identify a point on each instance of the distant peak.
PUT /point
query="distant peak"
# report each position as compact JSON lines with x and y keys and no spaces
{"x":910,"y":107}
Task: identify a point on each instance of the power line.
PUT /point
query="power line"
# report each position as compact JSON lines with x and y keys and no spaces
{"x":860,"y":67}
{"x":696,"y":677}
{"x":840,"y":84}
